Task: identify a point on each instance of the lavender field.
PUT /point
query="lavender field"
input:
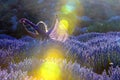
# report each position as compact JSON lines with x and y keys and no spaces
{"x":59,"y":39}
{"x":96,"y":57}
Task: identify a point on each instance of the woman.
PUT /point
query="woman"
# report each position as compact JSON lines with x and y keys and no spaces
{"x":43,"y":34}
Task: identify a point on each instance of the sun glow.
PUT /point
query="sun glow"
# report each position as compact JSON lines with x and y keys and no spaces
{"x":68,"y":15}
{"x":64,"y":25}
{"x":50,"y":69}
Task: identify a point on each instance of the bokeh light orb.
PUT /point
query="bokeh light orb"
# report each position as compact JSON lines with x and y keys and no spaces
{"x":68,"y":8}
{"x":68,"y":14}
{"x":64,"y":25}
{"x":50,"y":71}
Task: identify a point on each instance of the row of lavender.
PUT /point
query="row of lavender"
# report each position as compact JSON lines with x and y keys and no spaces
{"x":72,"y":71}
{"x":95,"y":50}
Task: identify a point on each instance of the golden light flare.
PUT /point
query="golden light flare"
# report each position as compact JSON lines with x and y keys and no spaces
{"x":69,"y":11}
{"x":50,"y":68}
{"x":64,"y":25}
{"x":50,"y":71}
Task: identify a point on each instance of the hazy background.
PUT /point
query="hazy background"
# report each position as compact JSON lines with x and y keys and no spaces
{"x":89,"y":11}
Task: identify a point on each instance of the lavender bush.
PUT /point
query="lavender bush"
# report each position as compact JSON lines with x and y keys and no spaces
{"x":78,"y":72}
{"x":94,"y":53}
{"x":97,"y":52}
{"x":87,"y":36}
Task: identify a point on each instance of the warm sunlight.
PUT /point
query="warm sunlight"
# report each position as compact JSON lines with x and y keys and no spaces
{"x":64,"y":25}
{"x":50,"y":70}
